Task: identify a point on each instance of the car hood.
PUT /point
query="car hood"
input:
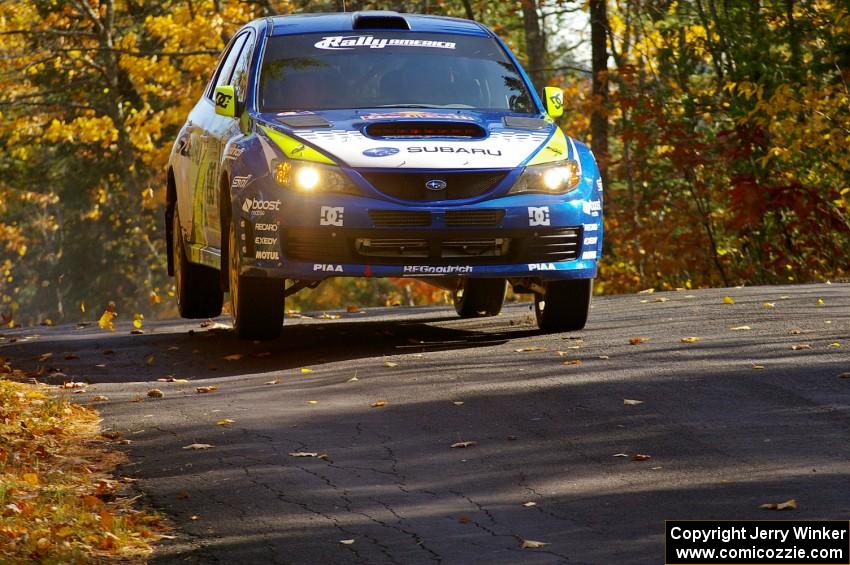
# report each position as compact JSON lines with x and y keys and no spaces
{"x":412,"y":138}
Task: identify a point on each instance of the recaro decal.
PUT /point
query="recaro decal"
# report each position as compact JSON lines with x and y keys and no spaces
{"x":347,"y":42}
{"x":591,"y":227}
{"x":266,"y":227}
{"x":331,"y":216}
{"x":538,"y":216}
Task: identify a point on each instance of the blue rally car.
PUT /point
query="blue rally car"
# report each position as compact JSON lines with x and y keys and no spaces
{"x":378,"y":144}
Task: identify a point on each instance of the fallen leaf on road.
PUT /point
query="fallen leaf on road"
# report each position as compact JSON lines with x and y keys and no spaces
{"x":571,"y":362}
{"x":274,"y":382}
{"x":620,"y":455}
{"x":183,"y":494}
{"x":390,"y":364}
{"x":728,"y":300}
{"x":691,"y":339}
{"x":378,"y":403}
{"x":795,"y":331}
{"x":641,"y":457}
{"x":801,"y":346}
{"x":173,"y":348}
{"x":74,"y":384}
{"x":352,"y":309}
{"x":844,"y":376}
{"x":44,"y":357}
{"x":100,"y":398}
{"x":308,"y":454}
{"x":106,"y":321}
{"x":149,"y":359}
{"x":205,"y":389}
{"x":835,"y":344}
{"x":233,"y":357}
{"x":787,"y":505}
{"x":353,"y":379}
{"x":111,"y":435}
{"x":529,"y":504}
{"x":646,"y":291}
{"x":457,"y":402}
{"x":155,"y":393}
{"x":198,"y":446}
{"x":462,"y":444}
{"x":464,"y":520}
{"x":138,"y":320}
{"x":264,"y":354}
{"x":71,"y":356}
{"x":740,"y":328}
{"x":759,"y":367}
{"x":312,"y":402}
{"x":225,"y":422}
{"x":638,"y":340}
{"x":660,"y":299}
{"x":768,"y":305}
{"x":631,"y":402}
{"x":603,"y":357}
{"x":531,"y":544}
{"x":530,"y":348}
{"x":305,"y":370}
{"x":820,"y":302}
{"x":346,"y":541}
{"x":326,"y":316}
{"x":101,"y":365}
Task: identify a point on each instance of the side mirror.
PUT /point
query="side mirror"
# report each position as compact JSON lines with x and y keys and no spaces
{"x":225,"y":101}
{"x":554,"y":101}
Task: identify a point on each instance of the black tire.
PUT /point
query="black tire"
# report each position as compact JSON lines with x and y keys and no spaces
{"x":199,"y":292}
{"x":565,"y":306}
{"x":480,"y":297}
{"x":256,"y":304}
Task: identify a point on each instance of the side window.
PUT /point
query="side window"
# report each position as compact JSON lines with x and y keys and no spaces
{"x":239,"y":80}
{"x":226,"y":66}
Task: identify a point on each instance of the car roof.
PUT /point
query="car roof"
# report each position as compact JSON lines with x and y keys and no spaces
{"x":343,"y":22}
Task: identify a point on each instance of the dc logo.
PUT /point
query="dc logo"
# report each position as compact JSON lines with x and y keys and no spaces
{"x":380,"y":151}
{"x":538,"y":216}
{"x":331,"y":216}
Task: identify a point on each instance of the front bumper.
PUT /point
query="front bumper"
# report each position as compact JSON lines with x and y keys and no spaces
{"x":312,"y":238}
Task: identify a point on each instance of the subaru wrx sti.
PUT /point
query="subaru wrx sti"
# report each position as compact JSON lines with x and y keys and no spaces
{"x":377,"y":144}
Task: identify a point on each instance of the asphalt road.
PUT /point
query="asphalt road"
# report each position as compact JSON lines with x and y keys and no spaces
{"x":723,"y":435}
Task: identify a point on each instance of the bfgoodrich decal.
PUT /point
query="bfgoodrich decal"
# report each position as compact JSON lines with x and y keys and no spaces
{"x":431,"y":270}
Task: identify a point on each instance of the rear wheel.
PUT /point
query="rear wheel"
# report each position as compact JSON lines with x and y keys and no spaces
{"x":565,"y":305}
{"x":480,"y":297}
{"x":198,"y":290}
{"x":256,"y":304}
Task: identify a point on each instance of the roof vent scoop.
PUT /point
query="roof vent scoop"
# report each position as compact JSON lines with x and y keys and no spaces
{"x":379,"y":20}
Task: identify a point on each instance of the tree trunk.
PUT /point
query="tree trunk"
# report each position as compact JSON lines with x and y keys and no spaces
{"x":535,"y":44}
{"x":599,"y":88}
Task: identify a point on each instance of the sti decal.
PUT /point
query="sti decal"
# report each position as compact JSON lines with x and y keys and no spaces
{"x":241,"y":182}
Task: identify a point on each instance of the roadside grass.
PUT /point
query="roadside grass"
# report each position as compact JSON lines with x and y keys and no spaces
{"x":58,"y":501}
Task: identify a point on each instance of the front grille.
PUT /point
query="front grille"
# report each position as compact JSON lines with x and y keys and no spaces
{"x":411,"y":186}
{"x":392,"y":248}
{"x":474,"y":218}
{"x":556,"y":245}
{"x":399,"y":218}
{"x":458,"y":247}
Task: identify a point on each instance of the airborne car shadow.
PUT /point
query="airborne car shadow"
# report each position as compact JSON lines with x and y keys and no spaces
{"x":185,"y":349}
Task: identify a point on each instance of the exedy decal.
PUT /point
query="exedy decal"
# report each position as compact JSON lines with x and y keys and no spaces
{"x":265,"y":241}
{"x":339,"y":42}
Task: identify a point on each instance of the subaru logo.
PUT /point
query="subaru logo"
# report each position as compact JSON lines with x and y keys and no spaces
{"x":380,"y":152}
{"x":435,"y":184}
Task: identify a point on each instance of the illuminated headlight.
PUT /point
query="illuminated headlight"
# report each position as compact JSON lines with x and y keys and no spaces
{"x":312,"y":177}
{"x":559,"y":177}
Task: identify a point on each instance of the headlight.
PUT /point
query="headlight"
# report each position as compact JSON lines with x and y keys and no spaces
{"x":559,"y":177}
{"x":308,"y":177}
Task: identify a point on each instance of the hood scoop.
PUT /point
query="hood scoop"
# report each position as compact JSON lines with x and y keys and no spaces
{"x":518,"y":122}
{"x":304,"y":121}
{"x":396,"y":130}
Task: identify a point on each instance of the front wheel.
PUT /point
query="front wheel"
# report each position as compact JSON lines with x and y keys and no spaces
{"x":256,"y":304}
{"x":197,"y":287}
{"x":480,"y":297}
{"x":564,"y":306}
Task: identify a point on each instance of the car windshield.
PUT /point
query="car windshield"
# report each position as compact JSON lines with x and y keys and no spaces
{"x":389,"y":69}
